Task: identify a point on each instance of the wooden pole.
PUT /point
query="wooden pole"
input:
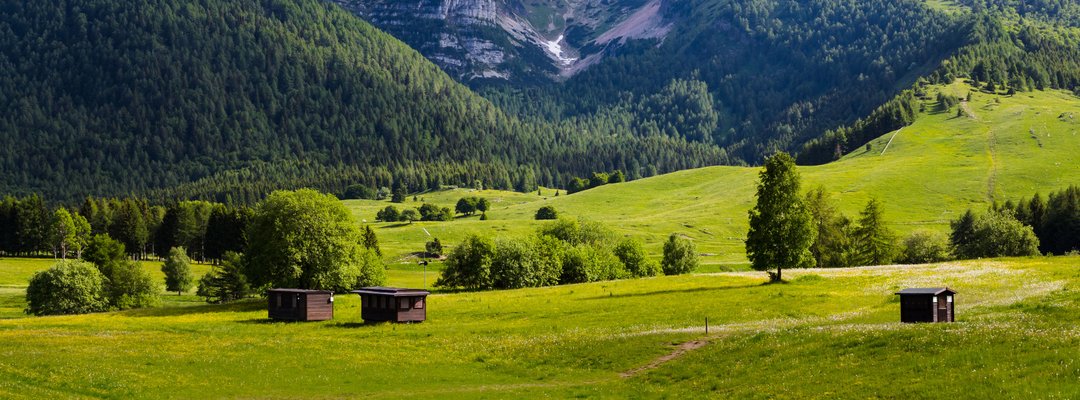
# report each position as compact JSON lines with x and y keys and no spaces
{"x":706,"y":326}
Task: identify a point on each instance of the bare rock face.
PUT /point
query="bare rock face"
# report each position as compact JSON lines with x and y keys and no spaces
{"x":475,"y":40}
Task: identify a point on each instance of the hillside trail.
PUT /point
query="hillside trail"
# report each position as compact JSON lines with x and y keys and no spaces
{"x":681,"y":350}
{"x":991,"y":180}
{"x":967,"y":110}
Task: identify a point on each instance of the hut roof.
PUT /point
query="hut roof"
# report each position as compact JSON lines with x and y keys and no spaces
{"x":931,"y":291}
{"x":309,"y":291}
{"x":392,"y":291}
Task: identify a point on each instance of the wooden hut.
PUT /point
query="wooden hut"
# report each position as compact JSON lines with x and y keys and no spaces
{"x":927,"y":305}
{"x":379,"y":304}
{"x":300,"y":304}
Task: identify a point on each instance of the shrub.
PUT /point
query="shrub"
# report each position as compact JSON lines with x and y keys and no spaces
{"x":69,"y":287}
{"x":923,"y":247}
{"x":388,"y":214}
{"x":225,"y":282}
{"x":409,"y":215}
{"x":589,"y":263}
{"x":632,"y":255}
{"x":433,"y":248}
{"x":130,"y":286}
{"x":468,"y":265}
{"x":431,"y":212}
{"x":680,"y":257}
{"x":546,"y":213}
{"x":517,"y":264}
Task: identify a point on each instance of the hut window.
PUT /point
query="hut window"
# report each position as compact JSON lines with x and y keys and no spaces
{"x":277,"y":297}
{"x":949,"y":299}
{"x":419,"y":303}
{"x":403,"y":303}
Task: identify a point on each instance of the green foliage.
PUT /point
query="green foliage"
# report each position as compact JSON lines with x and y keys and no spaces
{"x":781,"y":226}
{"x":632,"y":254}
{"x":1055,"y":220}
{"x":103,"y":251}
{"x":922,"y":247}
{"x":308,"y":240}
{"x":546,"y":213}
{"x":578,"y":232}
{"x":590,"y":263}
{"x":359,"y":192}
{"x":409,"y":215}
{"x":388,"y":214}
{"x":62,"y":233}
{"x":833,"y":246}
{"x":467,"y":205}
{"x":370,"y":241}
{"x":680,"y":255}
{"x":69,"y":287}
{"x":434,"y":248}
{"x":993,"y":234}
{"x":177,"y":270}
{"x":226,"y":230}
{"x":518,"y":263}
{"x":130,"y":286}
{"x":468,"y":265}
{"x":225,"y":282}
{"x":431,"y":212}
{"x":875,"y":243}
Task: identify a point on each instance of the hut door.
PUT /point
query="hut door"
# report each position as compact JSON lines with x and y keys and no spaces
{"x":942,"y":309}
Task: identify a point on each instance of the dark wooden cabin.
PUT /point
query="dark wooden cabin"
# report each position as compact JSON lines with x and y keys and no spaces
{"x":378,"y":304}
{"x":300,"y":304}
{"x":927,"y":305}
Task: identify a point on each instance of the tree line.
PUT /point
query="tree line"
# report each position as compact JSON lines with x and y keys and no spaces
{"x":301,"y":239}
{"x":563,"y":252}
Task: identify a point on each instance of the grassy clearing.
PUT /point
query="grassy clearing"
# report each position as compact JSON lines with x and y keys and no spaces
{"x":932,"y":172}
{"x":826,"y":334}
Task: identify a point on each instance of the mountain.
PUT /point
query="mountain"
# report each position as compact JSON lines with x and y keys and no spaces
{"x":751,"y":76}
{"x":213,"y":98}
{"x":518,"y":40}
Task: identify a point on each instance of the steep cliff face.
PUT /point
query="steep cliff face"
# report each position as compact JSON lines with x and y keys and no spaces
{"x":525,"y":40}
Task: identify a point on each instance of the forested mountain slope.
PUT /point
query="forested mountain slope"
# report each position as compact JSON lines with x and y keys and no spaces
{"x":114,"y":97}
{"x":754,"y":76}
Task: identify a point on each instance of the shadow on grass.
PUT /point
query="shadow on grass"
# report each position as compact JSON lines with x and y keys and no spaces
{"x":671,"y":291}
{"x":175,"y":311}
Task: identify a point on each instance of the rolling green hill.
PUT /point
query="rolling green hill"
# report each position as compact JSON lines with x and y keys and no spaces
{"x":932,"y":171}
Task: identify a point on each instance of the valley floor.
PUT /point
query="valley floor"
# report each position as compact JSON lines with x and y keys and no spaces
{"x":825,"y":334}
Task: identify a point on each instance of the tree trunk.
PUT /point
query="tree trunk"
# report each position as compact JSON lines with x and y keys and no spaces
{"x":779,"y":274}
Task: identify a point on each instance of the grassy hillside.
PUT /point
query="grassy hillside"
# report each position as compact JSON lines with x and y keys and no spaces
{"x":1008,"y":147}
{"x":827,"y":334}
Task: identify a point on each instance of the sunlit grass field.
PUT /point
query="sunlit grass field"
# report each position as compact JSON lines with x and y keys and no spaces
{"x":931,"y":173}
{"x":826,"y":334}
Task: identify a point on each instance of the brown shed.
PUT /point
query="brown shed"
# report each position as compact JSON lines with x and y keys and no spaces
{"x":300,"y":304}
{"x":379,"y":304}
{"x":927,"y":305}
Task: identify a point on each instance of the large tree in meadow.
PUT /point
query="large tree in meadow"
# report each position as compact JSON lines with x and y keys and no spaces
{"x":875,"y":242}
{"x":781,"y":227}
{"x":308,"y":240}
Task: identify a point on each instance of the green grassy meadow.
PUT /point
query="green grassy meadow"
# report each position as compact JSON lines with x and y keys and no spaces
{"x":931,"y":173}
{"x":826,"y":334}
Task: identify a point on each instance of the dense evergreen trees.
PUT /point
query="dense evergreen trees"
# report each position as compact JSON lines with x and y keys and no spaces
{"x":226,"y":101}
